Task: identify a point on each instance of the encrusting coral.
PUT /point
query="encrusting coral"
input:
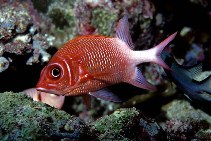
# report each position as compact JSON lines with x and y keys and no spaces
{"x":20,"y":34}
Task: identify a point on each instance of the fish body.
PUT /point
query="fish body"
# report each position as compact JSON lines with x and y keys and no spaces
{"x":186,"y":79}
{"x":90,"y":63}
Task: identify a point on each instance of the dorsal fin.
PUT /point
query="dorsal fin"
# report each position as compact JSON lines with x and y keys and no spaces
{"x":122,"y":32}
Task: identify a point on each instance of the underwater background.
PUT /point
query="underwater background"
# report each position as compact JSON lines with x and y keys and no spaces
{"x":31,"y":31}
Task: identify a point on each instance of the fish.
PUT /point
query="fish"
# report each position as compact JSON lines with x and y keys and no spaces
{"x":187,"y":78}
{"x":88,"y":64}
{"x":48,"y":98}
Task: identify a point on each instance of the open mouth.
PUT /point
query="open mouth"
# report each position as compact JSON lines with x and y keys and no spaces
{"x":49,"y":91}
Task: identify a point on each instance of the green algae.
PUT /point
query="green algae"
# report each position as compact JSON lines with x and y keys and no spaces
{"x":23,"y":119}
{"x":103,"y":20}
{"x":182,"y":110}
{"x":119,"y":125}
{"x":63,"y":17}
{"x":203,"y":134}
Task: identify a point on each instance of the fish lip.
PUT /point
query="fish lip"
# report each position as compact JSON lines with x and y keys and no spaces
{"x":48,"y":91}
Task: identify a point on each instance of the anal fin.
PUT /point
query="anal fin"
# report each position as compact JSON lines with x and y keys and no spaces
{"x":106,"y":95}
{"x":140,"y":81}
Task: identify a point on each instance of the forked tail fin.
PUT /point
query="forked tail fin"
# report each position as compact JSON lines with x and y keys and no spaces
{"x":154,"y":54}
{"x":159,"y":48}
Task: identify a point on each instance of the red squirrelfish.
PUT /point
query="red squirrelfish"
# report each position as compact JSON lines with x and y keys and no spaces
{"x":87,"y":64}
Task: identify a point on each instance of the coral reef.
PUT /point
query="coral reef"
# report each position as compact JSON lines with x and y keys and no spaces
{"x":63,"y":17}
{"x":117,"y":125}
{"x":102,"y":20}
{"x":23,"y":119}
{"x":184,"y":122}
{"x":20,"y":34}
{"x":4,"y":64}
{"x":28,"y":30}
{"x":182,"y":110}
{"x":72,"y":18}
{"x":150,"y":130}
{"x":92,"y":110}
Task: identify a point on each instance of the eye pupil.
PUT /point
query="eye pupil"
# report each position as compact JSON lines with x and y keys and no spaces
{"x":55,"y":72}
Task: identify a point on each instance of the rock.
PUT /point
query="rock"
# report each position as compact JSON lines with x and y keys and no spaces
{"x":4,"y":64}
{"x":62,"y":15}
{"x":126,"y":124}
{"x":150,"y":130}
{"x":24,"y":119}
{"x":203,"y":135}
{"x":118,"y":125}
{"x":182,"y":110}
{"x":184,"y":122}
{"x":21,"y":32}
{"x":103,"y":20}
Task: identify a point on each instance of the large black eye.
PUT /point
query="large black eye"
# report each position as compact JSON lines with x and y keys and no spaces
{"x":56,"y":72}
